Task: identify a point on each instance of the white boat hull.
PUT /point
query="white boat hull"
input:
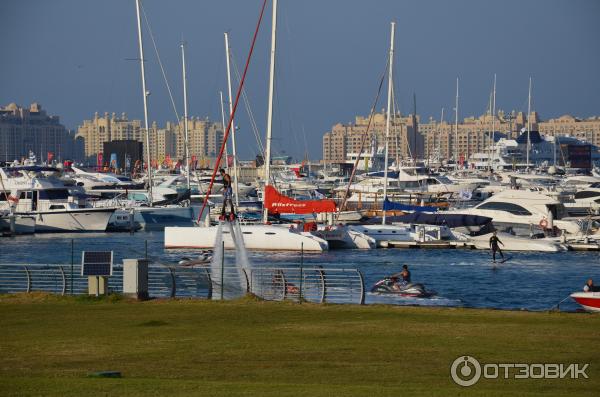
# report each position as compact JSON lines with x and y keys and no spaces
{"x":385,"y":233}
{"x":345,"y":238}
{"x":74,"y":220}
{"x":256,"y":237}
{"x":156,"y":218}
{"x":512,"y":243}
{"x":17,"y":224}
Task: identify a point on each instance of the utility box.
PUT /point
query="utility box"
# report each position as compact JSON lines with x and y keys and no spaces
{"x":97,"y":285}
{"x":135,"y":278}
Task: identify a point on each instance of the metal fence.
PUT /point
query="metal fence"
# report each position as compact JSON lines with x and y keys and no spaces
{"x":163,"y":281}
{"x":309,"y":284}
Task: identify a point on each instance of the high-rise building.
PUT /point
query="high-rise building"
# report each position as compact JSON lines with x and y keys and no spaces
{"x":444,"y":141}
{"x":109,"y":128}
{"x":205,"y":137}
{"x":587,"y":130}
{"x":405,"y":141}
{"x":31,"y":129}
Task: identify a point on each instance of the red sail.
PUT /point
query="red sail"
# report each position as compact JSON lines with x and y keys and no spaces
{"x":277,"y":203}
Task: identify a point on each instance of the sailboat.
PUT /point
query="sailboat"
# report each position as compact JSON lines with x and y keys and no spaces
{"x":153,"y":217}
{"x":256,"y":237}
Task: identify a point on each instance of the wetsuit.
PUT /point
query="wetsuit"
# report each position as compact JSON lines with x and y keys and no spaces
{"x":494,"y":241}
{"x":227,"y":194}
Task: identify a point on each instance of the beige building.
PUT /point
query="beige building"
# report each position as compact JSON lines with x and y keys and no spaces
{"x":107,"y":128}
{"x":205,"y":137}
{"x":405,"y":139}
{"x":443,"y":141}
{"x":474,"y":134}
{"x":587,"y":130}
{"x":32,"y":129}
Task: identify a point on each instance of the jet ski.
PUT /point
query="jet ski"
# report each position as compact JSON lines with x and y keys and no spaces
{"x":390,"y":286}
{"x":204,"y":258}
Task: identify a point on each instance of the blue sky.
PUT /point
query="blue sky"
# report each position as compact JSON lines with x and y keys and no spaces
{"x":72,"y":57}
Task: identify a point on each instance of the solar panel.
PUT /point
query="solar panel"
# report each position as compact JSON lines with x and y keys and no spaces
{"x":96,"y":263}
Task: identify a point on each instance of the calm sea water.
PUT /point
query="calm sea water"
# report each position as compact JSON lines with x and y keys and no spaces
{"x":531,"y":281}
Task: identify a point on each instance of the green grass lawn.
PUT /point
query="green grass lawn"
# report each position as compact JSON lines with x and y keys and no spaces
{"x":50,"y":345}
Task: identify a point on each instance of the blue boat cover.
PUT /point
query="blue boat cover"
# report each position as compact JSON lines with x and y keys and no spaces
{"x":441,"y":219}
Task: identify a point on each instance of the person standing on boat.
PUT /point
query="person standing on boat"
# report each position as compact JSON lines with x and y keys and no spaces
{"x":494,"y":241}
{"x":227,"y":195}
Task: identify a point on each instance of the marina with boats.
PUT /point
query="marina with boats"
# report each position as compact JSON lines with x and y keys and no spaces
{"x":522,"y":193}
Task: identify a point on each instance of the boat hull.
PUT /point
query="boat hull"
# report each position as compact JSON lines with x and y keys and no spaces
{"x":17,"y":224}
{"x":512,"y":243}
{"x":589,"y":300}
{"x":256,"y":237}
{"x":75,"y":220}
{"x":157,"y":218}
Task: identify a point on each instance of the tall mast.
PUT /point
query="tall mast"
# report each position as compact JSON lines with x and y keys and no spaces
{"x":145,"y":94}
{"x":389,"y":114}
{"x":528,"y":122}
{"x":223,"y":116}
{"x":555,"y":137}
{"x":439,"y":143}
{"x":185,"y":117}
{"x":270,"y":107}
{"x":456,"y":154}
{"x":233,"y":130}
{"x":493,"y":123}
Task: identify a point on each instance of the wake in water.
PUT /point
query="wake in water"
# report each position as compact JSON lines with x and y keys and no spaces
{"x":231,"y":277}
{"x":388,"y":299}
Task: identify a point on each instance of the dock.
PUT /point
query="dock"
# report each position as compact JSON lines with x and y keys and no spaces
{"x":427,"y":244}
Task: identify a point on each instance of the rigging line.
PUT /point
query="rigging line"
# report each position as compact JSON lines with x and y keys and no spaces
{"x":162,"y":69}
{"x":237,"y":99}
{"x":253,"y":125}
{"x":363,"y":140}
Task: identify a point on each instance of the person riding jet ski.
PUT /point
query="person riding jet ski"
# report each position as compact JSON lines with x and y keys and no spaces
{"x":401,"y":284}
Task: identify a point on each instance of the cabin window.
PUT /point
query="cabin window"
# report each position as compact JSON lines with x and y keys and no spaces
{"x":57,"y":207}
{"x":270,"y":233}
{"x":3,"y":196}
{"x":506,"y":207}
{"x":586,"y":194}
{"x":246,"y":232}
{"x":56,"y":194}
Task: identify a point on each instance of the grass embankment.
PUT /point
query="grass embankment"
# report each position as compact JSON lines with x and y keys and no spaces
{"x":50,"y":345}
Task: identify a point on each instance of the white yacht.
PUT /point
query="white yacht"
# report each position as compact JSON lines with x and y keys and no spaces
{"x":39,"y":192}
{"x":256,"y":237}
{"x":524,"y":212}
{"x":585,"y":201}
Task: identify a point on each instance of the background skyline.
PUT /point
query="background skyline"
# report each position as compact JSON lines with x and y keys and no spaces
{"x":72,"y":57}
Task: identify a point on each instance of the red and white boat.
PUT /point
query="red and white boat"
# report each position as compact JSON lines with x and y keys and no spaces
{"x":589,"y":300}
